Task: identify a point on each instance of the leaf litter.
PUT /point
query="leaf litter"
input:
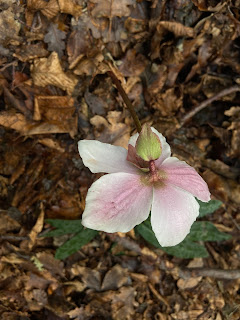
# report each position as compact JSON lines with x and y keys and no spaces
{"x":170,"y":56}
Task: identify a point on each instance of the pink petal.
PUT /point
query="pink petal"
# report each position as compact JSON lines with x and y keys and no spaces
{"x":103,"y":157}
{"x":180,"y":174}
{"x":166,"y":150}
{"x":173,"y":212}
{"x":117,"y":202}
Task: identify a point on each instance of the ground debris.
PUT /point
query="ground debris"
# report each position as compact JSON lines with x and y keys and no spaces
{"x":178,"y":61}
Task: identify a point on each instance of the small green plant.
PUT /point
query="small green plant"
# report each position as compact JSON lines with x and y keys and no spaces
{"x":80,"y":236}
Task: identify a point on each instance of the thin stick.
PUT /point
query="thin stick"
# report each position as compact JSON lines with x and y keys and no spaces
{"x":126,"y":100}
{"x":185,"y":273}
{"x":205,"y":103}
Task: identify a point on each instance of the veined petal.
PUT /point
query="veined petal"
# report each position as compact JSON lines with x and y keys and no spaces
{"x":180,"y":174}
{"x":103,"y":157}
{"x":173,"y":212}
{"x":117,"y":202}
{"x":166,"y":150}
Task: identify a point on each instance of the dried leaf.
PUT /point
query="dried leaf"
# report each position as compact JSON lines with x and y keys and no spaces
{"x":115,"y":278}
{"x":109,"y":8}
{"x":36,"y":229}
{"x":9,"y":28}
{"x":32,"y":51}
{"x":54,"y":38}
{"x":48,"y":71}
{"x":49,"y":9}
{"x":69,"y":7}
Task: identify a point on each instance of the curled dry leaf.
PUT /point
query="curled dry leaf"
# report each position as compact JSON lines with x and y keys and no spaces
{"x":49,"y":9}
{"x":48,"y":71}
{"x":69,"y":7}
{"x":177,"y":28}
{"x":36,"y":229}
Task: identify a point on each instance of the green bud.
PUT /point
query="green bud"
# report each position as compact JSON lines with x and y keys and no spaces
{"x":148,"y":145}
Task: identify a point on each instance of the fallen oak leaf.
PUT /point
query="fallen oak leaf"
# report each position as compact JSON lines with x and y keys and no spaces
{"x":54,"y":38}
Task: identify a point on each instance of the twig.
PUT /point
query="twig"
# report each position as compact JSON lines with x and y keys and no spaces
{"x":213,"y":273}
{"x":126,"y":100}
{"x":205,"y":103}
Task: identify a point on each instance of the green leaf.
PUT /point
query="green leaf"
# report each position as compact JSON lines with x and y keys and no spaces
{"x":206,"y":231}
{"x":63,"y":227}
{"x":75,"y":243}
{"x":208,"y":207}
{"x":148,"y":145}
{"x":145,"y":230}
{"x":187,"y":250}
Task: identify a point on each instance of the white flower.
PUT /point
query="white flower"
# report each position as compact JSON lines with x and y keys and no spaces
{"x":123,"y":198}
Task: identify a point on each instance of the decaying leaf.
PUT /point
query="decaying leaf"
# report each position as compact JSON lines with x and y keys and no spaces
{"x":70,"y":7}
{"x":30,"y":52}
{"x":54,"y":38}
{"x":48,"y":71}
{"x":9,"y":28}
{"x":114,"y":130}
{"x":37,"y":228}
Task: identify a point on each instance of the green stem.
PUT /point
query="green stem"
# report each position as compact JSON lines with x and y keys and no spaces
{"x":126,"y":100}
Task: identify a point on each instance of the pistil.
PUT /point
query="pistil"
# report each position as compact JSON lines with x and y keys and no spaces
{"x":153,"y":171}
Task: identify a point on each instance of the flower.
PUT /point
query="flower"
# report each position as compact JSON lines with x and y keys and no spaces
{"x":133,"y":187}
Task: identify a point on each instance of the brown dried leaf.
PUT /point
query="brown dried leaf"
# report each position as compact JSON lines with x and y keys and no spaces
{"x":175,"y":27}
{"x":111,"y":8}
{"x":222,"y":188}
{"x":49,"y":9}
{"x":7,"y":224}
{"x":115,"y":278}
{"x":48,"y":71}
{"x":29,"y":52}
{"x":133,"y":64}
{"x":91,"y":278}
{"x":69,"y":7}
{"x":123,"y":304}
{"x":50,"y":143}
{"x":36,"y":229}
{"x":89,"y":66}
{"x":185,"y":284}
{"x":9,"y":28}
{"x":111,"y":131}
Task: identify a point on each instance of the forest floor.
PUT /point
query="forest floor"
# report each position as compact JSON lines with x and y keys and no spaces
{"x":179,"y":62}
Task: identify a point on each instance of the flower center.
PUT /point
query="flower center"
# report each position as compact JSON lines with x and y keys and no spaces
{"x":153,"y":171}
{"x":154,"y":177}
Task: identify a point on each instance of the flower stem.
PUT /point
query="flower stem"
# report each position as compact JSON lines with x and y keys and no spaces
{"x":126,"y":100}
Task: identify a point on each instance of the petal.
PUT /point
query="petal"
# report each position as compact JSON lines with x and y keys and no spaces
{"x":180,"y":174}
{"x":166,"y":150}
{"x":103,"y":157}
{"x":173,"y":212}
{"x":117,"y":202}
